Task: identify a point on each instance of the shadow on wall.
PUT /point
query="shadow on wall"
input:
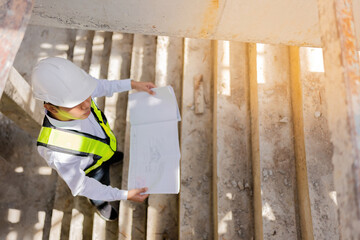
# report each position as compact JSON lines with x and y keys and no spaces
{"x":27,"y":185}
{"x":41,"y":42}
{"x":33,"y":203}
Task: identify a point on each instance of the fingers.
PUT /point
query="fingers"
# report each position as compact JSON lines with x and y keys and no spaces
{"x":148,"y":87}
{"x":149,"y":91}
{"x":151,"y":85}
{"x":136,"y":194}
{"x":143,"y":86}
{"x":141,"y":190}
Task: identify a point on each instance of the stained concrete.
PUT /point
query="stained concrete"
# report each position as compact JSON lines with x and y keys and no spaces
{"x":277,"y":160}
{"x":234,"y":177}
{"x":287,"y":22}
{"x":319,"y":148}
{"x":196,"y":221}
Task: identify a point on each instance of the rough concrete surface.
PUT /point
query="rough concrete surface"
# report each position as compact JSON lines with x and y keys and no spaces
{"x":319,"y":149}
{"x":341,"y":64}
{"x":234,"y":177}
{"x":268,"y":21}
{"x":277,"y":159}
{"x":196,"y":145}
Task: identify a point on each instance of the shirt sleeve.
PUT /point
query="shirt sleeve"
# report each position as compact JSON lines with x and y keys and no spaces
{"x":69,"y":168}
{"x":109,"y":87}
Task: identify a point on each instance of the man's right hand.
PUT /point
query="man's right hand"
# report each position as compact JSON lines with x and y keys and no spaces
{"x":135,"y":196}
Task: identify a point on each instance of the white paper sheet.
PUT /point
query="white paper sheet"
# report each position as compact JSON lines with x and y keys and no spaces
{"x":154,"y":142}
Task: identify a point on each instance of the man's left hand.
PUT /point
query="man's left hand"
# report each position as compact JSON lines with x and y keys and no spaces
{"x":143,"y":86}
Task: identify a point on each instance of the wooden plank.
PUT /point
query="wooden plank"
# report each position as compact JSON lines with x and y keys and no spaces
{"x":162,"y":215}
{"x":115,"y":108}
{"x":100,"y":60}
{"x":96,"y":63}
{"x":78,"y":213}
{"x":101,"y":49}
{"x":215,"y":176}
{"x":18,"y":104}
{"x":277,"y":160}
{"x":234,"y":177}
{"x":342,"y":72}
{"x":196,"y":146}
{"x":83,"y":49}
{"x":119,"y":68}
{"x":306,"y":225}
{"x":13,"y":22}
{"x":132,"y":225}
{"x":319,"y":148}
{"x":255,"y":145}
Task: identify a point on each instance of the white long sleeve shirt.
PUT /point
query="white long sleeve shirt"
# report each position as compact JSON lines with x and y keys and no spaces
{"x":70,"y":167}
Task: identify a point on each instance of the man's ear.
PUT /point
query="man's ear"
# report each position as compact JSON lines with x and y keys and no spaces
{"x":50,"y":108}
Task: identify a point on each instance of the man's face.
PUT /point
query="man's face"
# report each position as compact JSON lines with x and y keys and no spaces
{"x":80,"y":111}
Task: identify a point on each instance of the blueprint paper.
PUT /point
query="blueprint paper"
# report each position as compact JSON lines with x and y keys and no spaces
{"x":146,"y":108}
{"x":154,"y":142}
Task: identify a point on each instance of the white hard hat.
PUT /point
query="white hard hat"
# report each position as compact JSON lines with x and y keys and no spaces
{"x":61,"y":83}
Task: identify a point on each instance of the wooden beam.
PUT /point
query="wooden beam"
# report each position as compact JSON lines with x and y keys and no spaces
{"x":14,"y":17}
{"x":18,"y":104}
{"x":342,"y":73}
{"x":255,"y":145}
{"x":319,"y":149}
{"x":299,"y":145}
{"x":132,"y":224}
{"x":232,"y":132}
{"x":277,"y":157}
{"x":196,"y":145}
{"x":162,"y":215}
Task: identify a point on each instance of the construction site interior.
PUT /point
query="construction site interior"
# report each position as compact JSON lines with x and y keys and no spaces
{"x":266,"y":136}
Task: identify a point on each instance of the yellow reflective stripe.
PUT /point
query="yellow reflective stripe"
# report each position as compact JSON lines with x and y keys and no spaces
{"x":71,"y":141}
{"x":44,"y":135}
{"x":106,"y":127}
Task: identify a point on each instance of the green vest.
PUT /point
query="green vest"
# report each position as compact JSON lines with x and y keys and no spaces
{"x":79,"y":143}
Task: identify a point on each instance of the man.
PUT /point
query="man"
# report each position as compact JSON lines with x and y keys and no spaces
{"x":75,"y":138}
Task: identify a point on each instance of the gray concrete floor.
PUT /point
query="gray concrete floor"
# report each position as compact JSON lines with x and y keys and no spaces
{"x":27,"y":186}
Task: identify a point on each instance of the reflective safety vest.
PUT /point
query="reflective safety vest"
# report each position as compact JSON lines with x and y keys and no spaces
{"x":79,"y":143}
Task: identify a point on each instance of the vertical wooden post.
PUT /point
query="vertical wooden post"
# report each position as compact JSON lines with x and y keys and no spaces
{"x":162,"y":215}
{"x":343,"y":96}
{"x":319,"y":149}
{"x":132,"y":224}
{"x":277,"y":157}
{"x":196,"y":146}
{"x":299,"y":145}
{"x":232,"y":173}
{"x":15,"y":15}
{"x":215,"y":181}
{"x":255,"y":145}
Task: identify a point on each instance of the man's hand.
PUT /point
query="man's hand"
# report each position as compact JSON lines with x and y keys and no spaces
{"x":134,"y":194}
{"x":143,"y":86}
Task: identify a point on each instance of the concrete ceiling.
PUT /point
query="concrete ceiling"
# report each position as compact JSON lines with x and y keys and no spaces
{"x":291,"y":22}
